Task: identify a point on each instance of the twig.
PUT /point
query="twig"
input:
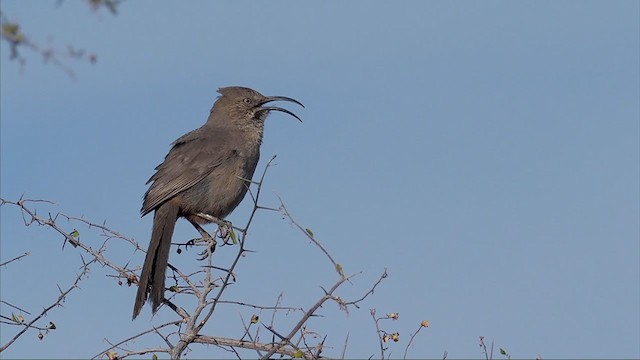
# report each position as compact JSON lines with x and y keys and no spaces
{"x":423,"y":324}
{"x":107,"y":232}
{"x":488,"y":355}
{"x":378,"y":331}
{"x":16,"y":39}
{"x":15,"y":307}
{"x":371,"y":291}
{"x":261,"y":307}
{"x":344,"y":348}
{"x":311,"y":237}
{"x":154,"y":329}
{"x":51,"y":222}
{"x":247,"y":333}
{"x":15,"y":259}
{"x":221,"y":341}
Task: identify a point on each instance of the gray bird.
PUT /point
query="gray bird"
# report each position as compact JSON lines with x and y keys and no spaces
{"x":207,"y":171}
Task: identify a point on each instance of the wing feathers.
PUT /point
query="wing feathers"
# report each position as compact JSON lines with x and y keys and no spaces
{"x":182,"y":168}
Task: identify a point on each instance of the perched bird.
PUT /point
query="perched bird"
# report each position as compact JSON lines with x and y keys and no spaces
{"x":207,"y":171}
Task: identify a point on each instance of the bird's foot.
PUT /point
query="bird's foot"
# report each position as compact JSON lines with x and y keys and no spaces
{"x":209,"y":240}
{"x":225,"y":228}
{"x":210,"y":249}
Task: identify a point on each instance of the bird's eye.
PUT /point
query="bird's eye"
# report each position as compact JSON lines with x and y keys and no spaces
{"x":246,"y":100}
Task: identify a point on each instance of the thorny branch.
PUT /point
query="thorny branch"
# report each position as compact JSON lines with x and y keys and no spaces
{"x":208,"y":289}
{"x":58,"y":302}
{"x":305,"y":317}
{"x":309,"y":234}
{"x":30,"y":217}
{"x":193,"y":326}
{"x":154,"y":329}
{"x":15,"y":259}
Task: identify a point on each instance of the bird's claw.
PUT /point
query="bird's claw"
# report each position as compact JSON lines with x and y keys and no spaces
{"x":209,"y":250}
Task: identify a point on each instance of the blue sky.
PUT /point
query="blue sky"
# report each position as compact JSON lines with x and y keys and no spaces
{"x":486,"y":153}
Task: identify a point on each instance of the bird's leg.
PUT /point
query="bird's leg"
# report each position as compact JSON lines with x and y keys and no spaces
{"x":224,"y":226}
{"x":206,"y":237}
{"x":213,"y":219}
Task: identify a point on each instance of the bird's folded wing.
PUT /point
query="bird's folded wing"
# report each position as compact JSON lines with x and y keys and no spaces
{"x":190,"y":160}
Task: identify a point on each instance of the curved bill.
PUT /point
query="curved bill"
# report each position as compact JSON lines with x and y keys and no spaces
{"x":281,"y":98}
{"x":275,"y":108}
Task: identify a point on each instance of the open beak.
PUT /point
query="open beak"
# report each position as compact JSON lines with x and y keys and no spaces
{"x":275,"y":108}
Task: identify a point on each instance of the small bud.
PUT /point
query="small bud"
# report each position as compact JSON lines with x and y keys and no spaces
{"x":424,"y":323}
{"x":18,"y":319}
{"x":255,"y":318}
{"x":40,"y":336}
{"x":340,"y":270}
{"x":179,"y":251}
{"x":395,"y":337}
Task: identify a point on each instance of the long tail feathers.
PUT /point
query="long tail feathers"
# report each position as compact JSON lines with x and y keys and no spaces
{"x":155,"y":264}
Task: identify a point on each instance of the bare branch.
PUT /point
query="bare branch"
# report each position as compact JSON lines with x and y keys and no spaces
{"x":261,"y":307}
{"x":370,"y":292}
{"x":245,"y":345}
{"x":208,"y":285}
{"x":344,"y":348}
{"x":378,"y":332}
{"x":15,"y":259}
{"x":58,"y":302}
{"x":309,"y":234}
{"x":17,"y":40}
{"x":306,"y":317}
{"x":15,"y":307}
{"x":154,"y":329}
{"x":72,"y":237}
{"x":423,"y":324}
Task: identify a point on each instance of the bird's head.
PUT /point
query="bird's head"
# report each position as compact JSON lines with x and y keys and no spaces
{"x":247,"y":106}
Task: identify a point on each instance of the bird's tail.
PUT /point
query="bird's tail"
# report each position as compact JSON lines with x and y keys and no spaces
{"x":155,"y":264}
